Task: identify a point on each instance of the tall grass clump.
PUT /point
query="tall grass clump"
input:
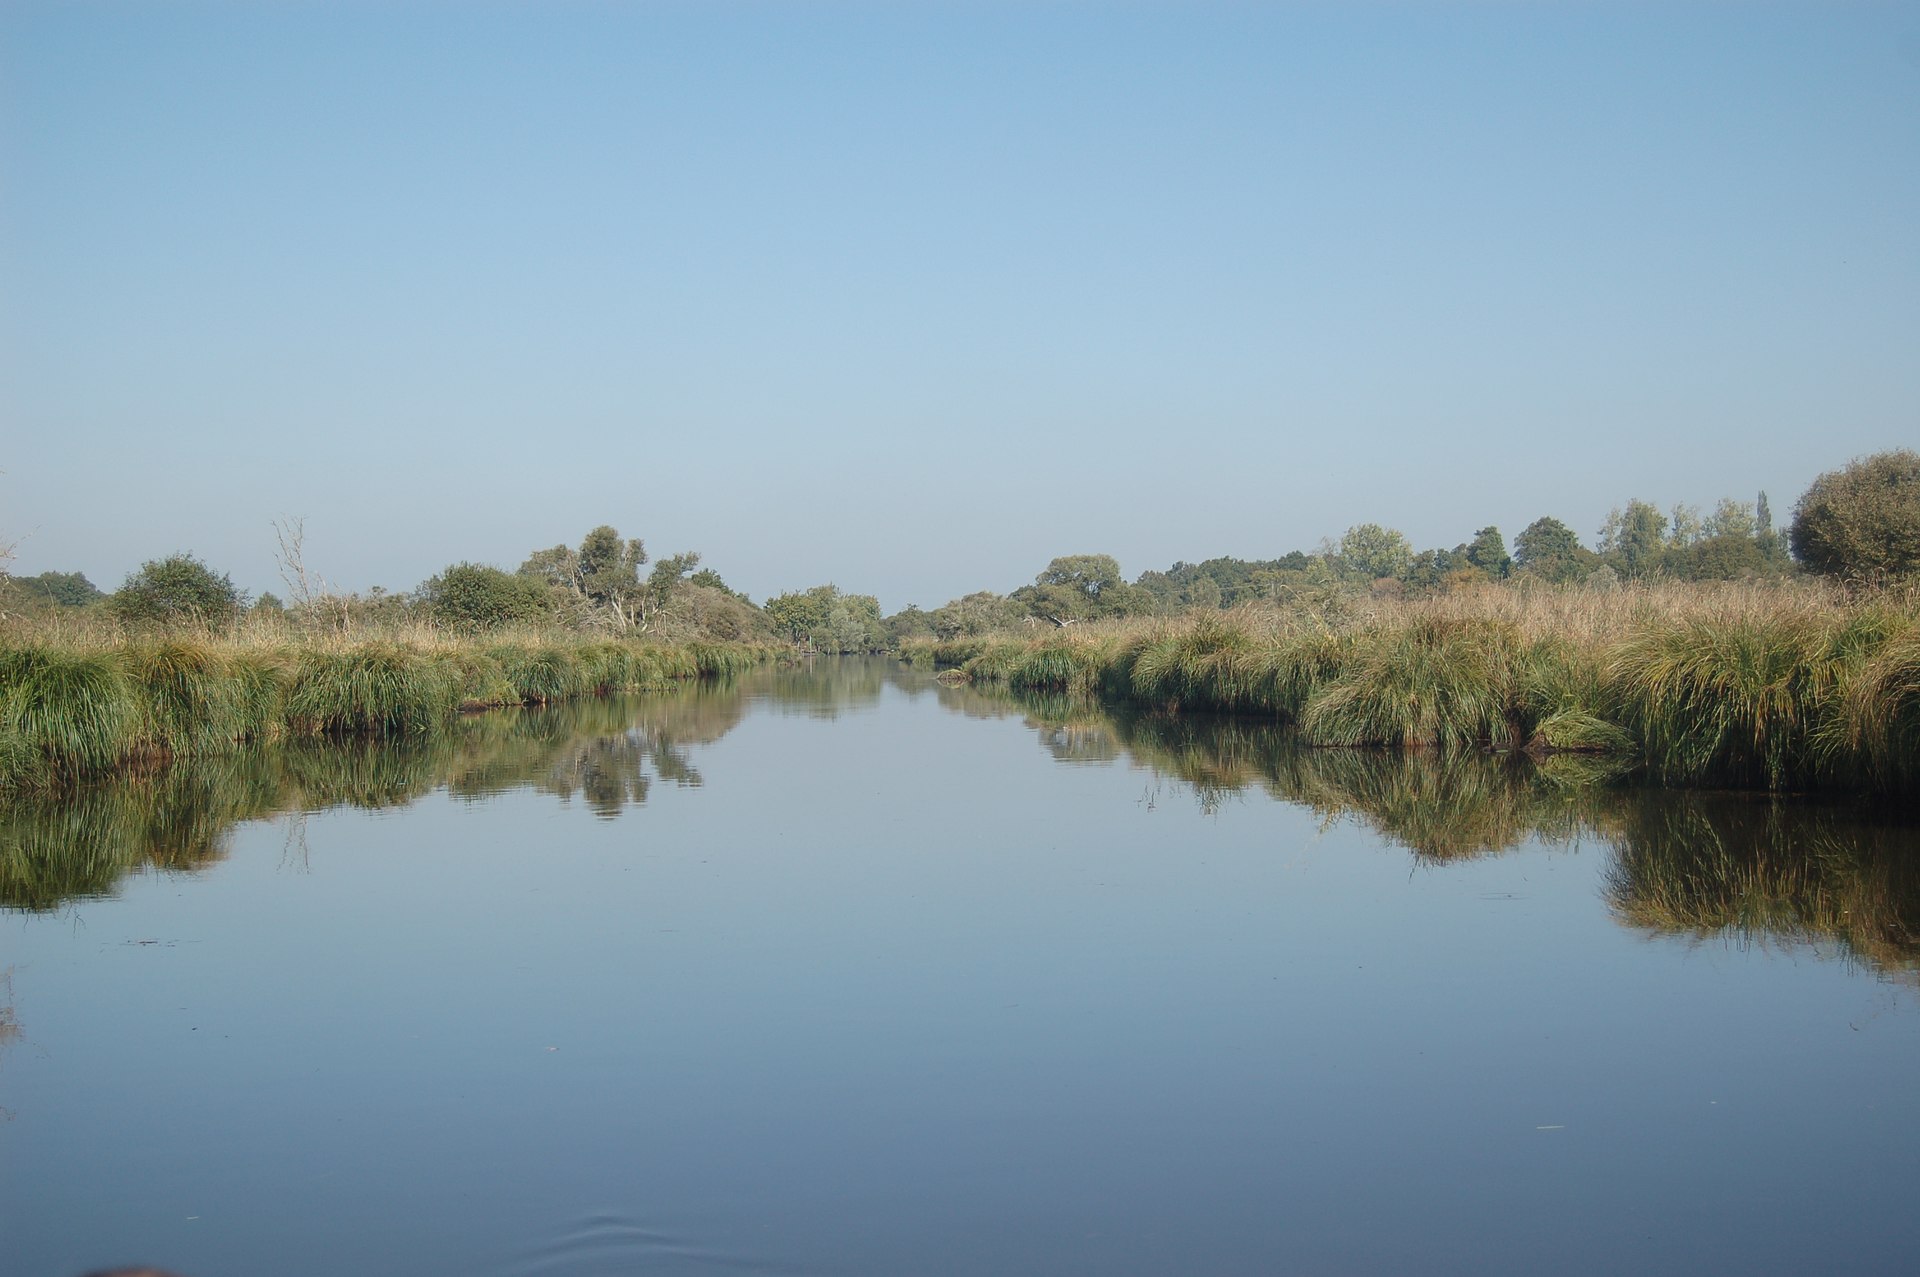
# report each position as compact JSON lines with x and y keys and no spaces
{"x":64,"y":714}
{"x":606,"y":669}
{"x":1737,"y":699}
{"x":1430,"y":681}
{"x":722,"y":660}
{"x":1212,"y":663}
{"x":193,"y":702}
{"x":540,"y":674}
{"x":372,"y":689}
{"x":1876,"y":724}
{"x":1564,"y":700}
{"x":1056,"y":665}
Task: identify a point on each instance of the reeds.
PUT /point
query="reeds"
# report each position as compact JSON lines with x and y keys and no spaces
{"x":74,"y":707}
{"x":1778,"y":688}
{"x":64,"y":714}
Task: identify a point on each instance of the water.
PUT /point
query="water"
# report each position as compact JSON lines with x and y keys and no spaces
{"x":840,"y":971}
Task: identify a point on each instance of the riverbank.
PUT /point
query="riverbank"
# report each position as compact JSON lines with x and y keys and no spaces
{"x":1753,"y":687}
{"x":72,"y":708}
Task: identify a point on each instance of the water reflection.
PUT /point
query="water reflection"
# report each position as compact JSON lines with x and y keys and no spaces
{"x":606,"y":753}
{"x":827,"y":687}
{"x":1767,"y":872}
{"x":1745,"y":868}
{"x":1752,"y":869}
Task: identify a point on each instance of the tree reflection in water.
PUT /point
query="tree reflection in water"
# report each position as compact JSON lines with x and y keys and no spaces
{"x":1753,"y":868}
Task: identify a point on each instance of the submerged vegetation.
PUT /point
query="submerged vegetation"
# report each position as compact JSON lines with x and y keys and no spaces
{"x":1777,"y":687}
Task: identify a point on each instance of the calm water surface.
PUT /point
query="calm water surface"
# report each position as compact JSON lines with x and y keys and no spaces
{"x":840,"y":971}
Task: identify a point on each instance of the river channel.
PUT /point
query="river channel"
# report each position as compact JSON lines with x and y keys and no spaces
{"x":837,"y":970}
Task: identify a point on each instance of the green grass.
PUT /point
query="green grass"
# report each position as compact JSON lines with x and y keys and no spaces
{"x":1772,"y":689}
{"x":75,"y":709}
{"x":1434,"y":682}
{"x":64,"y":714}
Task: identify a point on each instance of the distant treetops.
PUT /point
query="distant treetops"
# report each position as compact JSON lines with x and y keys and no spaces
{"x":1859,"y":524}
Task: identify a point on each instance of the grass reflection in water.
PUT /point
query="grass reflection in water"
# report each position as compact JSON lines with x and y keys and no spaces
{"x":1753,"y":868}
{"x":1764,"y":869}
{"x":54,"y":848}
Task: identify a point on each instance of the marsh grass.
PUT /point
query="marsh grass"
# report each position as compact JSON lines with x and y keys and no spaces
{"x":1779,"y":686}
{"x":1434,"y":680}
{"x":75,"y":706}
{"x":64,"y":714}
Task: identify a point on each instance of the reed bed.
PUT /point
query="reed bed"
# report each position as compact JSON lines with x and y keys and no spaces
{"x":1785,"y":686}
{"x":75,"y":706}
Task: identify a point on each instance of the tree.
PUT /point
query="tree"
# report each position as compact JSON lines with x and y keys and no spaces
{"x":1632,"y":542}
{"x":854,"y":625}
{"x":708,"y":579}
{"x":179,"y":589}
{"x":1488,"y":552}
{"x":666,"y":574}
{"x":1551,"y":550}
{"x":477,"y":596}
{"x":801,"y":614}
{"x":981,"y":612}
{"x":1730,"y":547}
{"x":603,"y":575}
{"x":1370,"y":552}
{"x":63,"y":589}
{"x":1862,"y":522}
{"x":1081,"y":587}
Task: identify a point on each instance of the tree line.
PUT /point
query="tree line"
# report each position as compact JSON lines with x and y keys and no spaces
{"x":1860,"y":524}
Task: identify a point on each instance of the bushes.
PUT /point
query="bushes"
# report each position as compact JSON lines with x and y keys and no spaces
{"x":1862,"y":522}
{"x":477,"y":597}
{"x":175,"y":590}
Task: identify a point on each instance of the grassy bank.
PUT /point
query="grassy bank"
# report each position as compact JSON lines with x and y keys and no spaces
{"x":1765,"y":687}
{"x":74,"y":707}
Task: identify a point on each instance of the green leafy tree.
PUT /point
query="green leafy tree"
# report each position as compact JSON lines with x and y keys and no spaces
{"x":1488,"y":552}
{"x":476,"y":596}
{"x":1633,"y":540}
{"x":1732,"y":546}
{"x":708,"y":579}
{"x":981,"y":612}
{"x":908,"y":623}
{"x":602,"y":576}
{"x":1550,"y":550}
{"x":854,"y":625}
{"x":1081,"y":587}
{"x":1861,"y":523}
{"x":665,"y":578}
{"x":179,"y":589}
{"x":1431,"y":570}
{"x":61,"y":589}
{"x":801,"y":615}
{"x":1370,"y":552}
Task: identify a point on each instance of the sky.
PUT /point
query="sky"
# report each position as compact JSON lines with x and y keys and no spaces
{"x":914,"y":297}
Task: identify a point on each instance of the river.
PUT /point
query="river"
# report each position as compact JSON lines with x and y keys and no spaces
{"x":840,"y":971}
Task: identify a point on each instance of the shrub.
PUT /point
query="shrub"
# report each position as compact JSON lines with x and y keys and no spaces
{"x":1862,"y":522}
{"x":177,"y":590}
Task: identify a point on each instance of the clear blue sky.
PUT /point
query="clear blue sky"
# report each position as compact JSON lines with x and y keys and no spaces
{"x":914,"y":297}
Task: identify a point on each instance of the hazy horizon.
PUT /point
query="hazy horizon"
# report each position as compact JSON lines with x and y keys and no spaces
{"x":913,"y":300}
